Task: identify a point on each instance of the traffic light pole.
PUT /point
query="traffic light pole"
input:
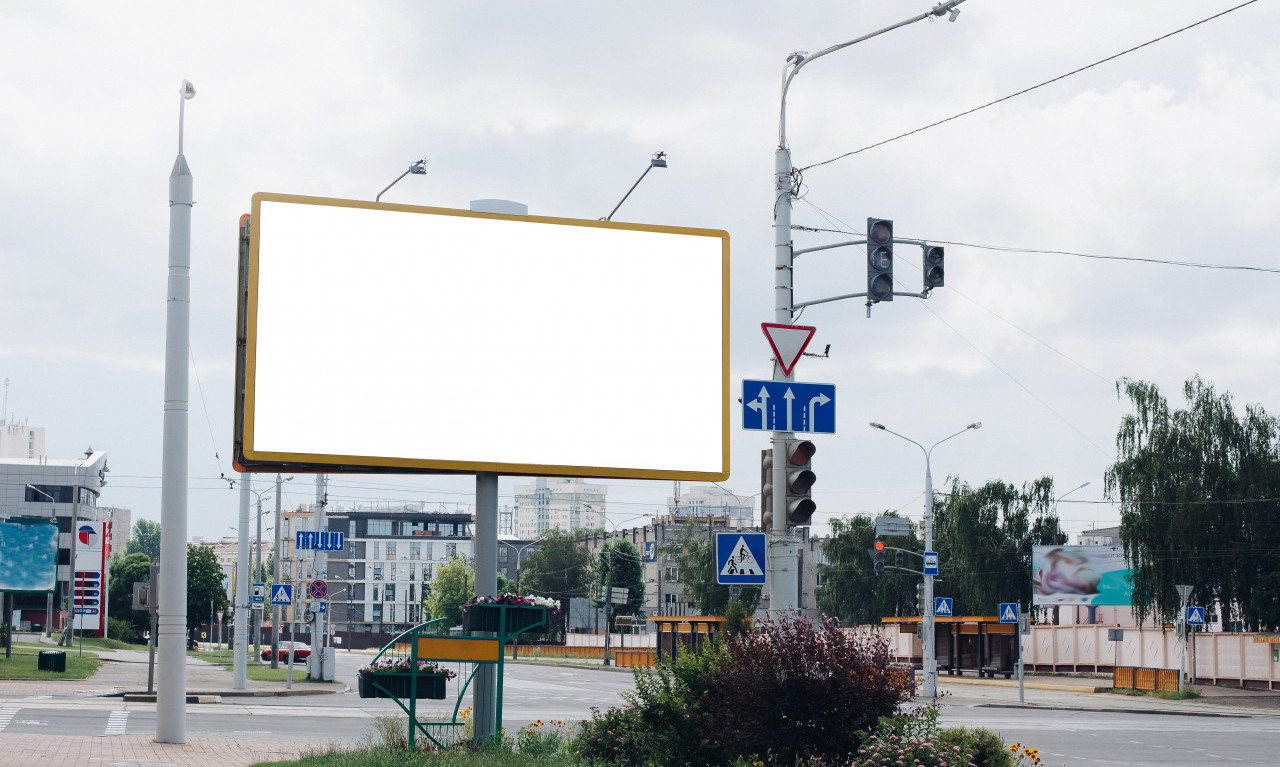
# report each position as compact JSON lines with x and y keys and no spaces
{"x":783,"y":585}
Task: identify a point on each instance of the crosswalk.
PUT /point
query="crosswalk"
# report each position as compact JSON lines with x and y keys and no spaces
{"x":6,"y":716}
{"x":116,"y":723}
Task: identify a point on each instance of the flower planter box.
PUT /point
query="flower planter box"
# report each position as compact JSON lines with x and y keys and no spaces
{"x":484,"y":617}
{"x":400,"y":685}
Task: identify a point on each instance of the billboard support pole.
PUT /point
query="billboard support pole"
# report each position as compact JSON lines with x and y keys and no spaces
{"x":485,"y":693}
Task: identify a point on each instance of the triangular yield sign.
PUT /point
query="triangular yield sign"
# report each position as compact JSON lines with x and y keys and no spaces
{"x":741,"y":561}
{"x":788,"y":342}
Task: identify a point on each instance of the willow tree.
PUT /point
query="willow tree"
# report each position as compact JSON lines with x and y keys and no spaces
{"x":849,"y":588}
{"x":1197,"y":490}
{"x":984,"y":537}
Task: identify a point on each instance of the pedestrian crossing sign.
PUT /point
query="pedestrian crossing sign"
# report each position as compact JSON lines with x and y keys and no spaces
{"x":282,"y":594}
{"x":1008,"y":612}
{"x":1195,"y":616}
{"x":942,"y":607}
{"x":740,"y":559}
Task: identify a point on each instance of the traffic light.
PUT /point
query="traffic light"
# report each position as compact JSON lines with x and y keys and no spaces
{"x":877,"y":557}
{"x":933,"y":272}
{"x":899,"y":558}
{"x":920,"y":596}
{"x":879,"y":259}
{"x":800,"y":479}
{"x":766,"y":490}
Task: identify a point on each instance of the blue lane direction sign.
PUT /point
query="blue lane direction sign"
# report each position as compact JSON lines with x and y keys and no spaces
{"x":282,"y":594}
{"x":740,"y":559}
{"x":804,"y":408}
{"x":322,"y":607}
{"x":942,"y":607}
{"x":1007,"y":612}
{"x":326,"y":541}
{"x":931,"y":563}
{"x":1195,"y":616}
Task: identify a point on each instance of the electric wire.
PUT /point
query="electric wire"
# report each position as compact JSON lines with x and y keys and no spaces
{"x":1032,"y":88}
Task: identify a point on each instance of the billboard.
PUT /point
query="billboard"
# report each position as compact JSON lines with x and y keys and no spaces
{"x":381,"y":337}
{"x":1080,"y":575}
{"x":92,"y":550}
{"x":28,"y":556}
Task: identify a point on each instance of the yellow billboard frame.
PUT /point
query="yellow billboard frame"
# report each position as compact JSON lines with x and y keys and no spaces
{"x":247,"y":458}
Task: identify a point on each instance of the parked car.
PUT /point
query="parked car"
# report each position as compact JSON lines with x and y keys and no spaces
{"x":301,"y":651}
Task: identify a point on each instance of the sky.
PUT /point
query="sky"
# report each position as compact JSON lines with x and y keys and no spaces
{"x":1168,"y":153}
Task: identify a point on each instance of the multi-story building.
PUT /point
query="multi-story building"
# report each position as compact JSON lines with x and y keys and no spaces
{"x":376,"y":582}
{"x":34,"y":485}
{"x":567,"y":504}
{"x":713,"y":501}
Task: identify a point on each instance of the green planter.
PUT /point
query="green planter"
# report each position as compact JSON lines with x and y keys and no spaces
{"x":400,"y":686}
{"x":483,"y":617}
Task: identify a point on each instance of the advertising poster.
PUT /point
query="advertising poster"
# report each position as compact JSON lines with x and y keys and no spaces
{"x":1080,"y":575}
{"x":28,"y":557}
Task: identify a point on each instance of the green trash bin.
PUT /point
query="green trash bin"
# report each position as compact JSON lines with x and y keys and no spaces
{"x":51,"y":660}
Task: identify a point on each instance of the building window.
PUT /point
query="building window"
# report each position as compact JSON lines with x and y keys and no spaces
{"x":391,"y":550}
{"x":351,"y":571}
{"x":59,"y":494}
{"x":390,"y":592}
{"x":377,"y":612}
{"x":450,"y":550}
{"x":502,"y":554}
{"x":379,"y":527}
{"x":391,"y":571}
{"x":377,"y":550}
{"x":671,"y":574}
{"x":431,"y":551}
{"x":377,"y":573}
{"x":415,"y":550}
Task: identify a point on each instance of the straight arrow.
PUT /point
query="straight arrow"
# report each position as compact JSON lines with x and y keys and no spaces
{"x":789,"y":397}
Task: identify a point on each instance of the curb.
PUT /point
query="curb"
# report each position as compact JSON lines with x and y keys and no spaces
{"x":215,"y":696}
{"x":1097,"y":710}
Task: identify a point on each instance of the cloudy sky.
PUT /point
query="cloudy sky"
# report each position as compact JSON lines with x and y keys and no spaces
{"x":1167,"y":153}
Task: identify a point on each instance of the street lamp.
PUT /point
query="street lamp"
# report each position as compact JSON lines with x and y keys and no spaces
{"x":783,"y":582}
{"x":930,"y":649}
{"x":659,"y":160}
{"x":275,"y":578}
{"x":70,"y":567}
{"x":257,"y":573}
{"x":419,"y":168}
{"x":608,"y":587}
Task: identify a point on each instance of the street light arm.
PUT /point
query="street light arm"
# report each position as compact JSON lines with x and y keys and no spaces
{"x":974,"y":425}
{"x":655,"y":162}
{"x":797,"y":60}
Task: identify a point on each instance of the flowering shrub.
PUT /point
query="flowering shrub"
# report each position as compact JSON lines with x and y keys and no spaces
{"x":518,"y":601}
{"x":894,"y":751}
{"x":405,"y":666}
{"x":615,"y":737}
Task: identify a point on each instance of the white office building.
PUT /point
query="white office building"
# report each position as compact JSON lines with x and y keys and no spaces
{"x":566,"y":504}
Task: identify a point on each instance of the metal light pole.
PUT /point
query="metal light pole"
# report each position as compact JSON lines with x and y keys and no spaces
{"x":657,"y":161}
{"x":930,"y":645}
{"x":419,"y":168}
{"x":171,"y":625}
{"x":71,"y":564}
{"x":257,"y":573}
{"x":240,"y":637}
{"x":275,"y":578}
{"x":783,"y":586}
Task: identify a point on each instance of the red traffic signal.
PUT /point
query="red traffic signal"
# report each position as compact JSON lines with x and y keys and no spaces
{"x":879,"y":545}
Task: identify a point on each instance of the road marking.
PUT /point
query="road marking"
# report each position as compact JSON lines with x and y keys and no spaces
{"x":6,"y":716}
{"x":116,"y":723}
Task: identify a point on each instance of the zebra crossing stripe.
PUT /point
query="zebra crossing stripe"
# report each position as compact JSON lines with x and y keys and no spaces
{"x":116,"y":723}
{"x":6,"y":716}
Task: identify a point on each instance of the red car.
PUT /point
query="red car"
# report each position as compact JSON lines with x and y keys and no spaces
{"x":301,"y":652}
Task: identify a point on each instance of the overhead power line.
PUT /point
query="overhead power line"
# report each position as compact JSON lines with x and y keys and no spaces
{"x":1032,"y":88}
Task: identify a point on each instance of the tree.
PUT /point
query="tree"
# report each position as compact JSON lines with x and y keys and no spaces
{"x":850,"y":588}
{"x":1197,"y":490}
{"x":559,"y":568}
{"x":628,"y":573}
{"x":125,"y":571}
{"x":695,"y":559}
{"x":205,"y":589}
{"x":145,"y":539}
{"x":452,"y":587}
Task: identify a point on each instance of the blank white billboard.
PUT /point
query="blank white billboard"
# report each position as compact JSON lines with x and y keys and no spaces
{"x":398,"y":338}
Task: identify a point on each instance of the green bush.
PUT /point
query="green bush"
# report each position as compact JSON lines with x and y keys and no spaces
{"x":121,"y":631}
{"x":983,"y":747}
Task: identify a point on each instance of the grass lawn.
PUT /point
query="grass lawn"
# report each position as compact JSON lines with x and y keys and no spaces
{"x":23,"y":665}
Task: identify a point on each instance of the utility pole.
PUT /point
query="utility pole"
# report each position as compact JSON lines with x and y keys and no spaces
{"x":275,"y":578}
{"x":783,"y":586}
{"x":316,"y":662}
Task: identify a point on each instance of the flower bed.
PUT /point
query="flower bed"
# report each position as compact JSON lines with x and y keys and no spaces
{"x":394,"y":678}
{"x":482,"y":613}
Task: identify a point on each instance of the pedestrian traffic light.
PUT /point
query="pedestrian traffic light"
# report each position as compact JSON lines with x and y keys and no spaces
{"x":877,"y":557}
{"x":879,"y":259}
{"x":800,"y":479}
{"x":766,"y":490}
{"x":933,"y":272}
{"x":899,"y":558}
